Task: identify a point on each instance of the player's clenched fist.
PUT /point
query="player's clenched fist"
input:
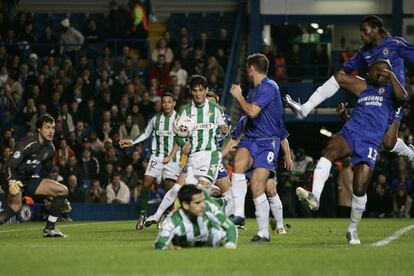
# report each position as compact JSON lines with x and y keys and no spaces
{"x":236,"y":91}
{"x":15,"y":186}
{"x":124,"y":143}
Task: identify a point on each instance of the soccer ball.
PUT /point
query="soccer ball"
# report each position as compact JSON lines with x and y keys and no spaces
{"x":183,"y":126}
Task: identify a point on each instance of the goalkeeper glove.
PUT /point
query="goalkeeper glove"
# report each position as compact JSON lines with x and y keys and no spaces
{"x":15,"y":186}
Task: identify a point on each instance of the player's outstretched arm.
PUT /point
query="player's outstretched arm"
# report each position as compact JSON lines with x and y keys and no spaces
{"x":143,"y":136}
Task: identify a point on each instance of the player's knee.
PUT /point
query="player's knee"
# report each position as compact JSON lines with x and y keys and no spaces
{"x":389,"y":142}
{"x":330,"y":153}
{"x":339,"y":77}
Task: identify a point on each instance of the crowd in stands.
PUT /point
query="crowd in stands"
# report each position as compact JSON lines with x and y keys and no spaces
{"x":98,"y":92}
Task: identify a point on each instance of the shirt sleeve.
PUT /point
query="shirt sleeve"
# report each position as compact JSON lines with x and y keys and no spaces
{"x":405,"y":50}
{"x":265,"y":94}
{"x":16,"y":159}
{"x":239,"y":128}
{"x":165,"y":235}
{"x":220,"y":117}
{"x":354,"y":63}
{"x":147,"y":133}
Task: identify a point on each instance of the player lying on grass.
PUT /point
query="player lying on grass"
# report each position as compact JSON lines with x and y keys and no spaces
{"x":378,"y":45}
{"x":29,"y":171}
{"x":199,"y":222}
{"x":275,"y":203}
{"x":378,"y":98}
{"x":160,"y":127}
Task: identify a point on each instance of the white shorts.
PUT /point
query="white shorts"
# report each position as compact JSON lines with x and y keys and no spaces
{"x":203,"y":164}
{"x":160,"y":171}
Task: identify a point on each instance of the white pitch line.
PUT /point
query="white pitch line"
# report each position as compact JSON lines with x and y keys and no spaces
{"x":59,"y":226}
{"x":394,"y":236}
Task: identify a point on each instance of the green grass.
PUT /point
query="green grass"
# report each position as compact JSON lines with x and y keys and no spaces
{"x":311,"y":247}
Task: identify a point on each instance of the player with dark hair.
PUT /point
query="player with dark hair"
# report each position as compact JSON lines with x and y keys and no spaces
{"x":29,"y":171}
{"x":160,"y":128}
{"x":199,"y":222}
{"x":360,"y":137}
{"x":259,"y":147}
{"x":378,"y":45}
{"x":204,"y":156}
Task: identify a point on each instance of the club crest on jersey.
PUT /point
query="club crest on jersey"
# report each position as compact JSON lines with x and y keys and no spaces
{"x":386,"y":52}
{"x":381,"y":91}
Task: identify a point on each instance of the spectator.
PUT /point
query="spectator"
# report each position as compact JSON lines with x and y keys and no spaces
{"x":63,"y":151}
{"x":402,"y":203}
{"x":139,"y":19}
{"x":295,"y":63}
{"x":222,"y":58}
{"x":118,"y":21}
{"x":92,"y":34}
{"x":76,"y":193}
{"x":95,"y":194}
{"x":267,"y":51}
{"x":380,"y":203}
{"x":89,"y":166}
{"x":106,"y":175}
{"x":69,"y":168}
{"x":320,"y":60}
{"x":129,"y":177}
{"x":48,"y":43}
{"x":117,"y":192}
{"x":160,"y":71}
{"x":66,"y":118}
{"x":204,"y":44}
{"x":129,"y":129}
{"x":163,"y":50}
{"x":223,"y":41}
{"x":71,"y":39}
{"x":345,"y":181}
{"x":213,"y":67}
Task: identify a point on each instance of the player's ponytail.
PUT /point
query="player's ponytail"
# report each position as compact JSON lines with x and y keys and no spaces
{"x":375,"y":21}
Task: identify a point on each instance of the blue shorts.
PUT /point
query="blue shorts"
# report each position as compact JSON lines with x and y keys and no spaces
{"x":222,"y":172}
{"x":264,"y":152}
{"x":363,"y":150}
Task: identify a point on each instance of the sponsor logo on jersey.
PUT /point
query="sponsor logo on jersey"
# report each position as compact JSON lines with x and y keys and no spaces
{"x":204,"y":126}
{"x":164,"y":133}
{"x":386,"y":52}
{"x":17,"y":155}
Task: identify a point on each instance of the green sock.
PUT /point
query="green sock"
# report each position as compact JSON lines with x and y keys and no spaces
{"x":144,"y":202}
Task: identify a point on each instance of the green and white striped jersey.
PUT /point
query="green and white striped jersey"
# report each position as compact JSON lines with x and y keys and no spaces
{"x":207,"y":118}
{"x":161,"y":129}
{"x":180,"y":230}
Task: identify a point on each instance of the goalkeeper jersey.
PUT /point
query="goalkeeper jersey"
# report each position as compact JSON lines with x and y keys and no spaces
{"x":180,"y":230}
{"x":161,"y":129}
{"x":207,"y":117}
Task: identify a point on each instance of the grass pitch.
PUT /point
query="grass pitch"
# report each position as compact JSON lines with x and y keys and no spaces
{"x":311,"y":247}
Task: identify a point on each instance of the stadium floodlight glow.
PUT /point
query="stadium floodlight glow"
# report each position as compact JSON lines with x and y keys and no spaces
{"x":325,"y":132}
{"x":319,"y":31}
{"x":314,"y":25}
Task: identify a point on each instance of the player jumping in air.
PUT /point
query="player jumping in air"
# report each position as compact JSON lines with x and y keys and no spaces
{"x":378,"y":45}
{"x":378,"y":98}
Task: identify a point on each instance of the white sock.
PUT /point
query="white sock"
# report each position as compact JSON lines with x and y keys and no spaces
{"x":401,"y":148}
{"x":320,"y":175}
{"x":262,"y":215}
{"x":358,"y":208}
{"x":239,"y":190}
{"x":52,"y":218}
{"x":277,"y":209}
{"x":168,"y":200}
{"x":229,"y":207}
{"x":325,"y":91}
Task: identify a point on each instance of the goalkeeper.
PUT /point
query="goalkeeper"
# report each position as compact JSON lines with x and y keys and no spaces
{"x":28,"y":172}
{"x":199,"y":222}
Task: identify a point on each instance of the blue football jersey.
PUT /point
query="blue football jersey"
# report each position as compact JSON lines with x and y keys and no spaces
{"x":370,"y":116}
{"x":393,"y":49}
{"x":236,"y":133}
{"x":267,"y":124}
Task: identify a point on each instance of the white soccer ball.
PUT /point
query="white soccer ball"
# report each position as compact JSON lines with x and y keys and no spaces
{"x":183,"y":126}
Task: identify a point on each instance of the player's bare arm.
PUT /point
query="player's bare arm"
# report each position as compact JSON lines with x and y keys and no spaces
{"x":251,"y":110}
